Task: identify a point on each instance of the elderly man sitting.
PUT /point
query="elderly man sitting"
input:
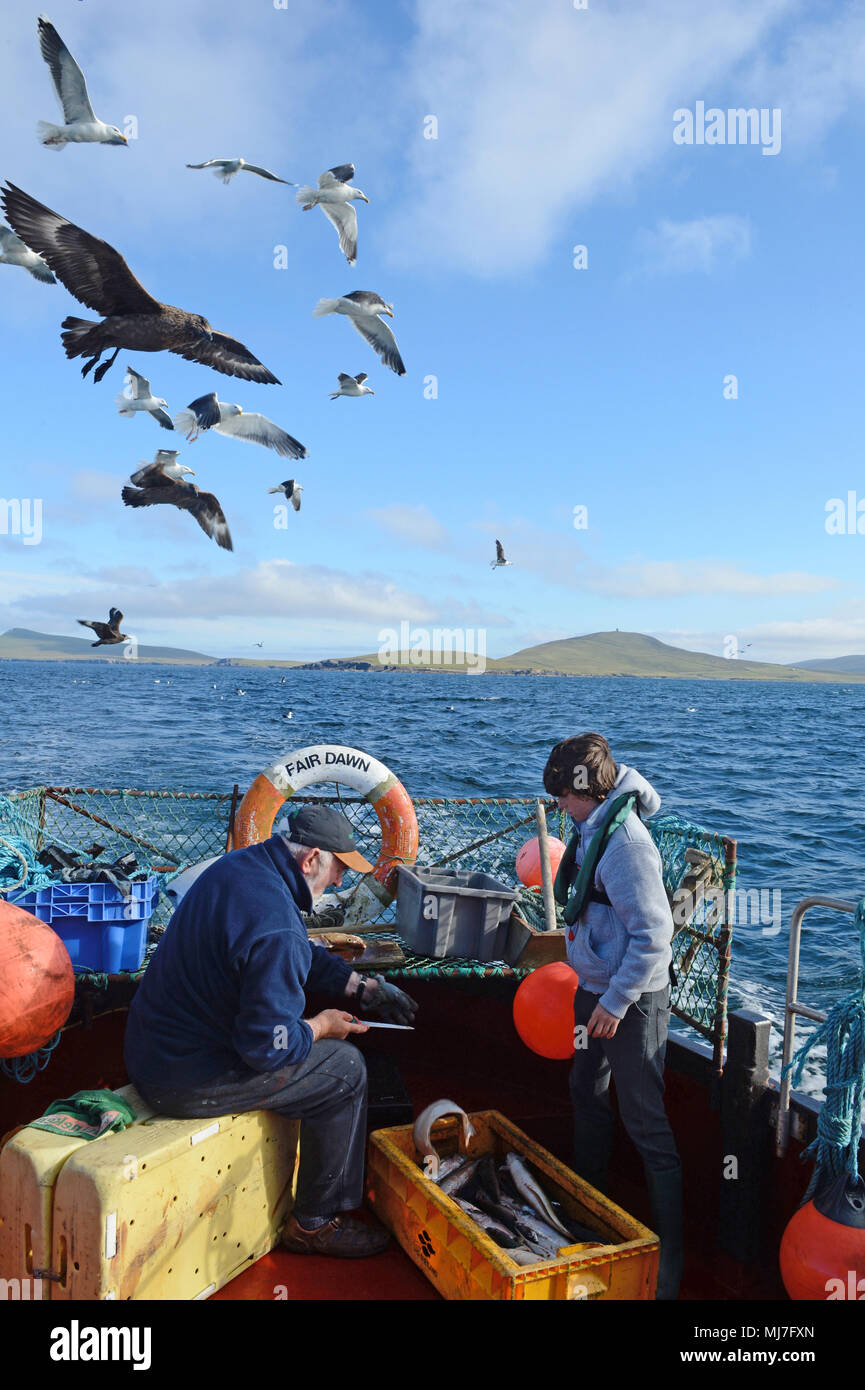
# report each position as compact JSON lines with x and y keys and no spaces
{"x":217,"y":1024}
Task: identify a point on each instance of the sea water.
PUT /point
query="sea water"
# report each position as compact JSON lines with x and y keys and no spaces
{"x":772,"y":764}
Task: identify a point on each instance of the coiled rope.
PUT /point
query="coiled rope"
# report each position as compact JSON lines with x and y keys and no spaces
{"x":835,"y":1150}
{"x":23,"y":1069}
{"x":18,"y":836}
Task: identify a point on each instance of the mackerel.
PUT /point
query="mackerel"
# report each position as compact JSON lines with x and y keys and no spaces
{"x":532,"y":1193}
{"x":459,"y":1177}
{"x":494,"y":1229}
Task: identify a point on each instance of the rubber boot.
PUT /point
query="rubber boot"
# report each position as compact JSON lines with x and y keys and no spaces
{"x":665,"y":1194}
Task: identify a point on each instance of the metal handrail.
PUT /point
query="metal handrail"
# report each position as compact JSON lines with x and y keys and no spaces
{"x":792,"y":1007}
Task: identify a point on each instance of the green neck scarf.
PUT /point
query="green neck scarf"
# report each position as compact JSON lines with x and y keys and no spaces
{"x":574,"y":899}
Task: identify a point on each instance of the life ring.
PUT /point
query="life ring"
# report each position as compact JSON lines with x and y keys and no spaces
{"x":332,"y":762}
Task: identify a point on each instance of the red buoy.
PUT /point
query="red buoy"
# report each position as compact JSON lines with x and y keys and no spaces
{"x":37,"y":982}
{"x":529,"y":860}
{"x":822,"y":1255}
{"x":544,"y":1010}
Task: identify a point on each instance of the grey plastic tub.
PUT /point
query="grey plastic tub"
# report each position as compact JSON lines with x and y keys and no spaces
{"x":453,"y":914}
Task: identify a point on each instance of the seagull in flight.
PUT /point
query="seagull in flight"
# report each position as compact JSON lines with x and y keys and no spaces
{"x":80,"y":124}
{"x":292,"y":491}
{"x":500,"y":557}
{"x":352,"y":386}
{"x":334,"y":196}
{"x":142,"y":398}
{"x":14,"y":252}
{"x":107,"y":633}
{"x":362,"y":308}
{"x":98,"y":276}
{"x":165,"y":465}
{"x":159,"y":487}
{"x":209,"y":413}
{"x":226,"y":169}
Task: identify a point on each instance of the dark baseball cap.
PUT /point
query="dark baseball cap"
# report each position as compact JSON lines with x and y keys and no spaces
{"x":322,"y":827}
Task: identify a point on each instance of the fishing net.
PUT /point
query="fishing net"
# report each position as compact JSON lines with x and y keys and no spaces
{"x":168,"y":831}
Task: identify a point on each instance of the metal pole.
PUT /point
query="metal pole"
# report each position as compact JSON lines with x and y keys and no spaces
{"x":792,"y":1007}
{"x":546,"y":871}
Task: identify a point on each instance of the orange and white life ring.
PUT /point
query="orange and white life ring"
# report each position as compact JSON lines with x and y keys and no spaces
{"x":331,"y":762}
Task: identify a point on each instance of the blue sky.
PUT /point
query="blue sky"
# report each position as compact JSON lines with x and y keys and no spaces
{"x":557,"y":387}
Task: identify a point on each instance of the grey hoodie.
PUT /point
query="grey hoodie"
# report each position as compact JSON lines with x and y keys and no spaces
{"x":622,"y":951}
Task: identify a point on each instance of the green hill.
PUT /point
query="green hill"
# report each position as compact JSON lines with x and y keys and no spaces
{"x":634,"y":654}
{"x":840,"y":665}
{"x":20,"y":644}
{"x":596,"y":654}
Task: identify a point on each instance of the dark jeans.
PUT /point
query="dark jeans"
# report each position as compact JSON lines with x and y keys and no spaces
{"x":327,"y":1092}
{"x":635,"y":1059}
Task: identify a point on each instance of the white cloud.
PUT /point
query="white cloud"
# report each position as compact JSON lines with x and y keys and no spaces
{"x":542,"y":108}
{"x":414,"y":524}
{"x":273,"y":590}
{"x":557,"y":557}
{"x":840,"y":633}
{"x":93,"y":486}
{"x":819,"y":75}
{"x":671,"y":579}
{"x":700,"y":244}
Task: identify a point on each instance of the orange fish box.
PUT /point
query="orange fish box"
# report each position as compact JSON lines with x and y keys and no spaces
{"x":463,"y":1262}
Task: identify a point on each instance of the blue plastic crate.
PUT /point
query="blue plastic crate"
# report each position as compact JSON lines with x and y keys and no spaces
{"x":100,"y":930}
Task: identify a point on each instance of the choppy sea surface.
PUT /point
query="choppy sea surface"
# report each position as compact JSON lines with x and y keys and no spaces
{"x":776,"y":766}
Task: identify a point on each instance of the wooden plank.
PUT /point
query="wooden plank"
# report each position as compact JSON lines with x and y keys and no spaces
{"x":528,"y":948}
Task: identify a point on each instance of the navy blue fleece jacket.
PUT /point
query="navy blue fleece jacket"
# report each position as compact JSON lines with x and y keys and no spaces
{"x":232,"y":967}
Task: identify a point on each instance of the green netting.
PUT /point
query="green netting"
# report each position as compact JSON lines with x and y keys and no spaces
{"x":168,"y":831}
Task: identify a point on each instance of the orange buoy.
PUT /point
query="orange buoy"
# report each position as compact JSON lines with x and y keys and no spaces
{"x":822,"y":1255}
{"x":529,"y":860}
{"x":37,"y":982}
{"x":544,"y":1010}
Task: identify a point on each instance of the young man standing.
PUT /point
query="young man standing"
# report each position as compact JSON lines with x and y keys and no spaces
{"x":619,"y":930}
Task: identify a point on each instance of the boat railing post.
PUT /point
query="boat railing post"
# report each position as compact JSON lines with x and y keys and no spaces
{"x":792,"y":1007}
{"x":744,"y":1116}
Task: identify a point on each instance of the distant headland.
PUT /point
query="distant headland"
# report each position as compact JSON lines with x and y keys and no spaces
{"x":596,"y":654}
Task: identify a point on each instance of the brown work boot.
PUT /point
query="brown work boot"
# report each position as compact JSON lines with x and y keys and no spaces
{"x":343,"y":1236}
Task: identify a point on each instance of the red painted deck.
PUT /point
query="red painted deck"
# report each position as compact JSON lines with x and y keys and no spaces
{"x":466,"y":1048}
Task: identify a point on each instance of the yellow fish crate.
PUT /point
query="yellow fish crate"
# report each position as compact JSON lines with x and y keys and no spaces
{"x":166,"y":1209}
{"x":461,"y":1260}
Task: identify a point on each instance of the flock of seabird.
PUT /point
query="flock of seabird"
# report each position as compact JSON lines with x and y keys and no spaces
{"x":51,"y":248}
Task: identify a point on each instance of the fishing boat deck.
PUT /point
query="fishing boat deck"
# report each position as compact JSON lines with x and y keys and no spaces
{"x":394,"y":1276}
{"x":466,"y":1048}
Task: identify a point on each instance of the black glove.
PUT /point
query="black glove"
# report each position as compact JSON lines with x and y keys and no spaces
{"x":390,"y":1004}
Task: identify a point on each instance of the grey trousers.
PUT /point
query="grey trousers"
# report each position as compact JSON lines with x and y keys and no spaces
{"x":634,"y":1057}
{"x":327,"y":1092}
